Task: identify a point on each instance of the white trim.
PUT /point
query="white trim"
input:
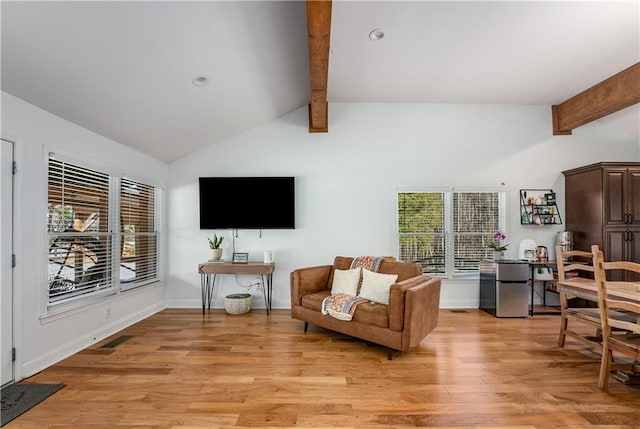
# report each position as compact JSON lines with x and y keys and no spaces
{"x":448,"y":193}
{"x":18,"y":250}
{"x":55,"y":310}
{"x":46,"y":360}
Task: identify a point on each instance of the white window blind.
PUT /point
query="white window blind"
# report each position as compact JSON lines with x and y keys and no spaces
{"x":139,"y":234}
{"x":421,"y":230}
{"x":79,"y":232}
{"x":447,"y":233}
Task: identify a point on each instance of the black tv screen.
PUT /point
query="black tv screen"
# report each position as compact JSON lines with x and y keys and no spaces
{"x":247,"y":202}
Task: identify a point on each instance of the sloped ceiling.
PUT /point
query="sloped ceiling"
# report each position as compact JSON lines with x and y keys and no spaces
{"x":125,"y":69}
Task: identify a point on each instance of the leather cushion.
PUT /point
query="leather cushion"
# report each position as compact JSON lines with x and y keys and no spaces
{"x":368,"y":313}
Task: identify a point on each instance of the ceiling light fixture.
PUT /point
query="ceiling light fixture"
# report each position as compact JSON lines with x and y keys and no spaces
{"x":200,"y":80}
{"x":376,"y":34}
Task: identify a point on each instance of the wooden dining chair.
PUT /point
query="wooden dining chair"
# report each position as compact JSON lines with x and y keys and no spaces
{"x":621,"y":336}
{"x":578,"y":263}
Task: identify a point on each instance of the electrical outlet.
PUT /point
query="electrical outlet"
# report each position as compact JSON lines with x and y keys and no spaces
{"x":108,"y":313}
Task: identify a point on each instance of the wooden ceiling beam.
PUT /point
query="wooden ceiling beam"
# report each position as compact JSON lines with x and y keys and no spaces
{"x":615,"y":93}
{"x":318,"y":33}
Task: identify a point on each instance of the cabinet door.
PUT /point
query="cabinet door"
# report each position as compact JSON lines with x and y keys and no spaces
{"x":615,"y":188}
{"x":633,"y":196}
{"x":615,"y":249}
{"x":633,"y":252}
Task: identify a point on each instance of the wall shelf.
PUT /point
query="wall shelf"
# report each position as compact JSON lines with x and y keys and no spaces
{"x":538,"y":207}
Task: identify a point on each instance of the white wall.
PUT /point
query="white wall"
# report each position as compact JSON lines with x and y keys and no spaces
{"x":346,"y":182}
{"x":41,"y":341}
{"x":346,"y":193}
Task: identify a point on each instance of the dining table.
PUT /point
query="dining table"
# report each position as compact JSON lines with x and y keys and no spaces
{"x":587,"y":289}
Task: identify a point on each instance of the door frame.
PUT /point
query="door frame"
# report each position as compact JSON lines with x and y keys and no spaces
{"x":11,"y":234}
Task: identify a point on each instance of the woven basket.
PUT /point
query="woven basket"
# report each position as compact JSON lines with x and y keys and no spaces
{"x":237,"y":303}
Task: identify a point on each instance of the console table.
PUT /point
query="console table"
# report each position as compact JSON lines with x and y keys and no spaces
{"x":209,"y":271}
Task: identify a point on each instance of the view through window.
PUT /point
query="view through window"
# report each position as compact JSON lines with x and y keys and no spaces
{"x":82,"y":226}
{"x":447,"y":233}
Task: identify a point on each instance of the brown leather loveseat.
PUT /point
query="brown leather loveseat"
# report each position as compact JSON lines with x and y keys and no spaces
{"x":412,"y":311}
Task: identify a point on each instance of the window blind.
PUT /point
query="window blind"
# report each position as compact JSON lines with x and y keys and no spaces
{"x":421,"y":227}
{"x":78,"y":229}
{"x":475,"y":220}
{"x":139,"y":234}
{"x":447,"y":233}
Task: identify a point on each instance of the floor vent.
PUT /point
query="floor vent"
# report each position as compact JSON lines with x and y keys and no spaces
{"x":115,"y":343}
{"x":459,"y":311}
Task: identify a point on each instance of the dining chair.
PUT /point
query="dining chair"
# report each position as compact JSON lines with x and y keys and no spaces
{"x":572,"y":263}
{"x":621,"y":336}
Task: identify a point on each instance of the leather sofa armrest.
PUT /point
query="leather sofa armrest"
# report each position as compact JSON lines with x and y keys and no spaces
{"x":397,"y":300}
{"x":304,"y":281}
{"x":422,"y":307}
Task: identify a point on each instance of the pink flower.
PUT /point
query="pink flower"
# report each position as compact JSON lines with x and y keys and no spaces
{"x":496,"y":243}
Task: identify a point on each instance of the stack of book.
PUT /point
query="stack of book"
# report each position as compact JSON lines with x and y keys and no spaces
{"x":216,"y":261}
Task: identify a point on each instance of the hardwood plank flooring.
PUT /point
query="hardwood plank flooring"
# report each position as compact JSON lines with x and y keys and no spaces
{"x":183,"y":370}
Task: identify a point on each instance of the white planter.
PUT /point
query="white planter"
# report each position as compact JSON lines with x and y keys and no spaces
{"x":215,"y":254}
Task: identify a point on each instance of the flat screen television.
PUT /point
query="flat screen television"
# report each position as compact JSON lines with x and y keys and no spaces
{"x":247,"y":202}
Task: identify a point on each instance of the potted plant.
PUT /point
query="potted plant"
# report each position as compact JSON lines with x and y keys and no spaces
{"x":214,"y":247}
{"x":497,"y":246}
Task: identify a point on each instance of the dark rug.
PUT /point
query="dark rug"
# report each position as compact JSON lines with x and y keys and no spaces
{"x":18,"y":398}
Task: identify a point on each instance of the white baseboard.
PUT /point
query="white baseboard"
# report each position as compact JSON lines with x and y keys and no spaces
{"x":38,"y":364}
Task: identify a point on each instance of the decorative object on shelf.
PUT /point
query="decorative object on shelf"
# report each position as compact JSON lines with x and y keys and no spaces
{"x":240,"y":257}
{"x":214,"y":247}
{"x":237,"y":303}
{"x":497,"y":255}
{"x":538,"y":207}
{"x":542,"y":254}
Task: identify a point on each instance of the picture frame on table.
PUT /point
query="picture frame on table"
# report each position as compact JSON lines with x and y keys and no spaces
{"x":240,"y":257}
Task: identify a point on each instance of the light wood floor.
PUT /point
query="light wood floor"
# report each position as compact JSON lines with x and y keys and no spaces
{"x":183,"y":370}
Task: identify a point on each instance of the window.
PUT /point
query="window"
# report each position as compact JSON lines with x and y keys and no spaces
{"x":82,"y":227}
{"x":447,"y":233}
{"x":139,"y":238}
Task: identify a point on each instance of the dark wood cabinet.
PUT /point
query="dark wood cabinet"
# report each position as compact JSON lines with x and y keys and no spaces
{"x":603,"y":208}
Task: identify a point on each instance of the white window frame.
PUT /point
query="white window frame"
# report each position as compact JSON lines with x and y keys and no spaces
{"x":156,"y":233}
{"x":115,"y":286}
{"x":449,"y":234}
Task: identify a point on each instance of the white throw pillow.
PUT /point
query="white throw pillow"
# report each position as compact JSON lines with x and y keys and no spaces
{"x":345,"y":281}
{"x":375,"y":286}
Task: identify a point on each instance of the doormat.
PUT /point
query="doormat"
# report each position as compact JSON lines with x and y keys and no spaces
{"x":19,"y":398}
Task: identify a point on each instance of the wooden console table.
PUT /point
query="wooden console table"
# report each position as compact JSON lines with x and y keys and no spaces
{"x":209,"y":271}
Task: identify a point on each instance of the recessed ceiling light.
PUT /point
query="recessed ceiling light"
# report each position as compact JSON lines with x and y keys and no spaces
{"x":376,"y":34}
{"x":200,"y":80}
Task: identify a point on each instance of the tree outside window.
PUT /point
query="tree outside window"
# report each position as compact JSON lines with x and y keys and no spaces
{"x":447,"y":233}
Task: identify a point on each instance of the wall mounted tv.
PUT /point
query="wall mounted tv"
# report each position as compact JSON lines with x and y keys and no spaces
{"x":247,"y":203}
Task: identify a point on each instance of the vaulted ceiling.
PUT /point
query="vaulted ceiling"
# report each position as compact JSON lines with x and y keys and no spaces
{"x":125,"y":69}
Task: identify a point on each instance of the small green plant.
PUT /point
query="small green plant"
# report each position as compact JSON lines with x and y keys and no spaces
{"x":216,"y":242}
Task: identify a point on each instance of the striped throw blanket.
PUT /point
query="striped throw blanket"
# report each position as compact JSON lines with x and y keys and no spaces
{"x":341,"y":306}
{"x":371,"y":263}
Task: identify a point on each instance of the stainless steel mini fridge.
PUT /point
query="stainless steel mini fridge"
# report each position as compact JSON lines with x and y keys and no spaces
{"x":504,"y":287}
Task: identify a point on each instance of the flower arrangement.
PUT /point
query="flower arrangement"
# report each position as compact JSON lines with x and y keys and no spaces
{"x":496,"y":242}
